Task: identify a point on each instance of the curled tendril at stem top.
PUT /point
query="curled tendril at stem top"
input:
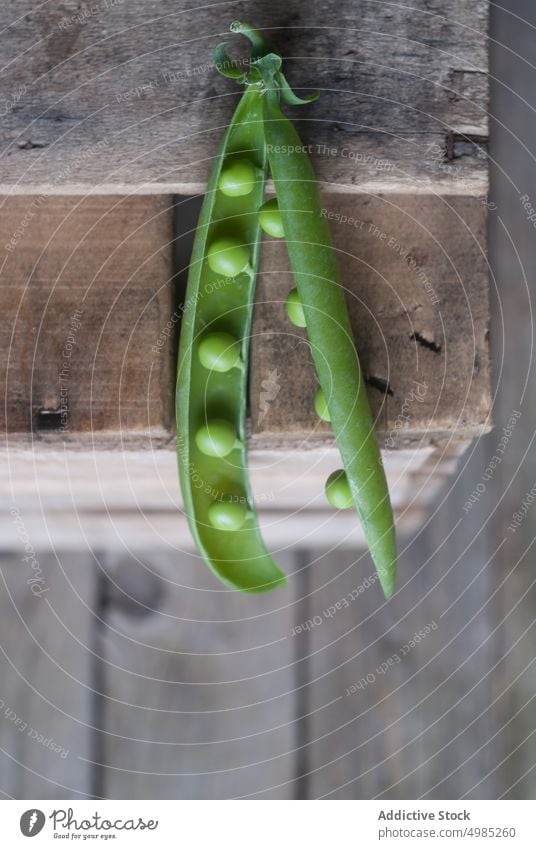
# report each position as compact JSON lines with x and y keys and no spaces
{"x":259,"y":44}
{"x":265,"y":66}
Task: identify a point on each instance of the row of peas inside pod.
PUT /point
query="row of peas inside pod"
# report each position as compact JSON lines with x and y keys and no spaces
{"x":219,"y":351}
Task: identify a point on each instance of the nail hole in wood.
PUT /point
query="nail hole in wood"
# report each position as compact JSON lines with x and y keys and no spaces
{"x":48,"y":420}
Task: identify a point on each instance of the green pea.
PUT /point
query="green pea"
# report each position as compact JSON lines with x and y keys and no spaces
{"x":321,"y":406}
{"x":228,"y":257}
{"x":216,"y":438}
{"x":338,"y":490}
{"x":270,"y":219}
{"x":238,"y":178}
{"x":219,"y":351}
{"x":295,"y":309}
{"x":229,"y":514}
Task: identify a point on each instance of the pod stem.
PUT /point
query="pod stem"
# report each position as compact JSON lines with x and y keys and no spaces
{"x":265,"y":66}
{"x":225,"y":65}
{"x":259,"y":44}
{"x":229,"y":68}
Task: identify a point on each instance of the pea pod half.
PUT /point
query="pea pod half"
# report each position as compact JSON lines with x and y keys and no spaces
{"x":214,"y":346}
{"x":321,"y":295}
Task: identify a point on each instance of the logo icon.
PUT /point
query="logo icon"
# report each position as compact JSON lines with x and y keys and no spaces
{"x":31,"y":822}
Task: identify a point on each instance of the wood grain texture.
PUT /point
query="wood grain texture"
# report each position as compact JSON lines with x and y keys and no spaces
{"x":86,"y":294}
{"x":46,"y":662}
{"x":508,"y":500}
{"x":112,"y":498}
{"x":395,"y":715}
{"x":90,"y":296}
{"x":121,"y":97}
{"x":416,"y":278}
{"x":177,"y":688}
{"x":199,"y":684}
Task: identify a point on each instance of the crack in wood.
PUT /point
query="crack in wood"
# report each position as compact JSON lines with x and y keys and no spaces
{"x":426,"y":343}
{"x":379,"y":383}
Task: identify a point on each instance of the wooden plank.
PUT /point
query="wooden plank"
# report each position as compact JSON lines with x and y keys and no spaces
{"x":402,"y":694}
{"x":86,"y":293}
{"x":107,"y":498}
{"x":90,"y":339}
{"x":416,"y":278}
{"x":123,"y":97}
{"x":507,"y":499}
{"x":199,"y":684}
{"x":46,"y":662}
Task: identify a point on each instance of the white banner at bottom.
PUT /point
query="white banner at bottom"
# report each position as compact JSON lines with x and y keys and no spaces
{"x":265,"y":824}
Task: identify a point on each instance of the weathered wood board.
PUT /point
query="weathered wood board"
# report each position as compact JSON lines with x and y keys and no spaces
{"x":160,"y":682}
{"x":90,"y":298}
{"x":47,"y":633}
{"x":113,"y":498}
{"x":120,"y":97}
{"x":199,"y":684}
{"x":508,"y":502}
{"x":86,"y":292}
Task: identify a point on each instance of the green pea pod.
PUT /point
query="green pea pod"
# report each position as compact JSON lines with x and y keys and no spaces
{"x":211,"y":390}
{"x":213,"y":355}
{"x":321,"y":293}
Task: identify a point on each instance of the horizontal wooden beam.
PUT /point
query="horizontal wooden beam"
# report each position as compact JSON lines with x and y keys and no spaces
{"x":122,"y":97}
{"x":109,"y":498}
{"x":90,"y":297}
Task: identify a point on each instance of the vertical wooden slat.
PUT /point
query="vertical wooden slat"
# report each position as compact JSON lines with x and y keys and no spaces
{"x":514,"y":263}
{"x":46,"y":672}
{"x":199,"y":684}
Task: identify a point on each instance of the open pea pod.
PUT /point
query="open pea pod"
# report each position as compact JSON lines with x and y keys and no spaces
{"x":321,"y":297}
{"x":211,"y":390}
{"x":214,"y":348}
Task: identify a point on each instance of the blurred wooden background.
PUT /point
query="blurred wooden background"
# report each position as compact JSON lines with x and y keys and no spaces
{"x":127,"y":673}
